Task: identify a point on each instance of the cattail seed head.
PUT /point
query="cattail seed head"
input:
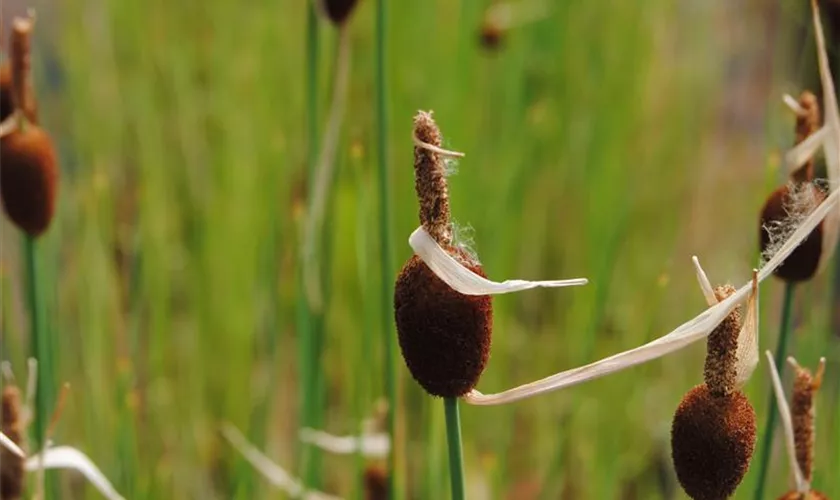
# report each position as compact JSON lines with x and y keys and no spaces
{"x":778,"y":216}
{"x":20,"y":56}
{"x":805,"y":387}
{"x":712,"y":442}
{"x":430,"y":180}
{"x":491,"y":35}
{"x":376,"y":483}
{"x":11,"y":465}
{"x":444,"y":335}
{"x":720,"y":370}
{"x":28,"y":178}
{"x":338,"y":10}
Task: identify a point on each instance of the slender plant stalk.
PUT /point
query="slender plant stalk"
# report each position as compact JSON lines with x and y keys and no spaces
{"x":385,"y":257}
{"x":453,"y":437}
{"x":781,"y":350}
{"x":304,"y":318}
{"x":40,"y":346}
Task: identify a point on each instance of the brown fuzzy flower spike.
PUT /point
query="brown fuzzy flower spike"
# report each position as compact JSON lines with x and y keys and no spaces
{"x":28,"y":166}
{"x":713,"y":431}
{"x":11,"y":465}
{"x":338,"y":10}
{"x":789,"y":203}
{"x":444,"y":335}
{"x":28,"y":178}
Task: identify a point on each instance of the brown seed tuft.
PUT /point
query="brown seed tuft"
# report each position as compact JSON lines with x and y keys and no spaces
{"x":11,"y":465}
{"x":803,"y":263}
{"x":338,"y":10}
{"x":376,"y":483}
{"x":811,"y":495}
{"x":6,"y":100}
{"x":712,"y":442}
{"x":430,"y":180}
{"x":28,"y":179}
{"x":720,"y":371}
{"x":444,"y":335}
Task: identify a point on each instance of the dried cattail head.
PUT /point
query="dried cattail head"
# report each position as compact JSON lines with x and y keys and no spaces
{"x":713,"y":432}
{"x":444,"y":335}
{"x":11,"y":465}
{"x":338,"y":10}
{"x":376,"y":483}
{"x":491,"y":35}
{"x":28,"y":178}
{"x":712,"y":442}
{"x":780,"y":215}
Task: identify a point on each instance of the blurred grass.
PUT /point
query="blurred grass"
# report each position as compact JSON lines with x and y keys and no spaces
{"x":607,"y":140}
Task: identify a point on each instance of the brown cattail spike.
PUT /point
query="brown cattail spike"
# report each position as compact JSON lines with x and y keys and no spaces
{"x":11,"y":465}
{"x":802,"y":413}
{"x":444,"y":335}
{"x":720,"y":370}
{"x":20,"y":60}
{"x":376,"y":483}
{"x":430,"y":179}
{"x":338,"y":10}
{"x":712,"y":442}
{"x":797,"y":198}
{"x":28,"y":178}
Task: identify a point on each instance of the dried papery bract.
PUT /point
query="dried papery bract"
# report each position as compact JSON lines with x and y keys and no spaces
{"x":713,"y":431}
{"x":442,"y":303}
{"x":11,"y":462}
{"x":798,"y":425}
{"x":787,"y":205}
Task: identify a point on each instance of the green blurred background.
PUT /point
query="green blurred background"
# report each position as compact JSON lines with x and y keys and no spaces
{"x":610,"y":140}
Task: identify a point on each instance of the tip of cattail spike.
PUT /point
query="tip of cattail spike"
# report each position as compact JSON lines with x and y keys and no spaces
{"x":805,"y":386}
{"x":338,"y":11}
{"x":444,"y":336}
{"x":430,"y":178}
{"x":376,"y":483}
{"x":720,"y":370}
{"x":29,"y":179}
{"x":712,"y":442}
{"x":11,"y":464}
{"x":780,"y":214}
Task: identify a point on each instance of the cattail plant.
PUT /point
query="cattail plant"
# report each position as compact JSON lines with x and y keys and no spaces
{"x":798,"y":424}
{"x":713,"y":431}
{"x":791,"y":203}
{"x":502,"y":17}
{"x":29,"y":175}
{"x":14,"y":462}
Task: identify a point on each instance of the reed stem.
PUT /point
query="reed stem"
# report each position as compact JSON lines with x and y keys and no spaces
{"x":781,"y":350}
{"x":453,"y":438}
{"x":385,"y":257}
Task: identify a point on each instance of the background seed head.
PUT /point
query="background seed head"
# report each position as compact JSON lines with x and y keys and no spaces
{"x":376,"y":483}
{"x":444,"y":335}
{"x":338,"y":10}
{"x":803,"y":263}
{"x":28,"y":179}
{"x":712,"y":442}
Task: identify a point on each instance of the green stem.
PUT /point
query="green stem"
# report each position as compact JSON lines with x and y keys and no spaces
{"x":40,"y":346}
{"x":385,"y":258}
{"x":453,"y":437}
{"x":781,"y":350}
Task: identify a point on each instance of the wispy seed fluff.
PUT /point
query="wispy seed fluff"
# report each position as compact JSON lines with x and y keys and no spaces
{"x":11,"y":465}
{"x":713,"y":431}
{"x":788,"y":205}
{"x":444,"y":335}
